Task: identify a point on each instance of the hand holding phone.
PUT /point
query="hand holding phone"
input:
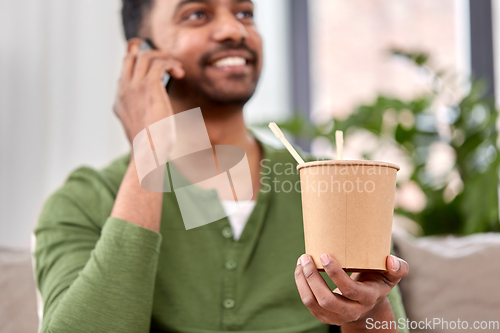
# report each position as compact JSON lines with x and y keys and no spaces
{"x":147,"y":45}
{"x":142,"y":98}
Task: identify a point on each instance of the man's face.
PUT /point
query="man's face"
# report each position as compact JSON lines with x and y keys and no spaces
{"x":217,"y":43}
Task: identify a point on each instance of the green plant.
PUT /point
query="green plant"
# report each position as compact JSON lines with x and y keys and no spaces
{"x":466,"y":126}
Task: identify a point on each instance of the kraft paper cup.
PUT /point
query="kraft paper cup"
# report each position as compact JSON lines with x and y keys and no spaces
{"x":348,"y":210}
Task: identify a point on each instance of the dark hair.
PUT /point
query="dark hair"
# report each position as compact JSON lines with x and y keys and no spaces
{"x":133,"y":12}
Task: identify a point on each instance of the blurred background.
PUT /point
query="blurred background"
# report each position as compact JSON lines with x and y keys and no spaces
{"x":329,"y":64}
{"x":413,"y":82}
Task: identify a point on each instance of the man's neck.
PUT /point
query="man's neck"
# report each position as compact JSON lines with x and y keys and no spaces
{"x":226,"y":126}
{"x":225,"y":123}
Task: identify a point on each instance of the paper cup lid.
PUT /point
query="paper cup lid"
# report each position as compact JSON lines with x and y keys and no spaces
{"x":349,"y":162}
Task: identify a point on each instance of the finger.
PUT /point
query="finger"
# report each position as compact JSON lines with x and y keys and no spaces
{"x":305,"y":291}
{"x":326,"y":298}
{"x":159,"y":67}
{"x":134,"y":44}
{"x":397,"y":269}
{"x":349,"y":288}
{"x":128,"y":66}
{"x":130,"y":59}
{"x":341,"y":315}
{"x":144,"y":62}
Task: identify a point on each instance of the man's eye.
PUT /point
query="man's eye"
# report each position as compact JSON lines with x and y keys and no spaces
{"x":244,"y":15}
{"x":196,"y":16}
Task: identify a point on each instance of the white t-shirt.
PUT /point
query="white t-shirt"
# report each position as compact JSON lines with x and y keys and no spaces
{"x":239,"y":218}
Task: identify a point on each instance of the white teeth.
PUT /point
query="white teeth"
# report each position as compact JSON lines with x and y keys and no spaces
{"x":230,"y":61}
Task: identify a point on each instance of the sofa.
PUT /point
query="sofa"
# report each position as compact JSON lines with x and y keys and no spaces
{"x":18,"y":295}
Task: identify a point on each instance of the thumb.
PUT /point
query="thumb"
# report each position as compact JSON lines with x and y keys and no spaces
{"x":397,"y":268}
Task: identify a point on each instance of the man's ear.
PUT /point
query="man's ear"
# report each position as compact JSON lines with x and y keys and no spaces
{"x":134,"y":43}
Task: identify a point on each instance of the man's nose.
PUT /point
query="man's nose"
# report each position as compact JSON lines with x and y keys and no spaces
{"x":229,"y":28}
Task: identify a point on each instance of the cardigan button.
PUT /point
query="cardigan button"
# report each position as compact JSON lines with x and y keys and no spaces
{"x":227,"y":232}
{"x":230,"y":265}
{"x":228,"y":303}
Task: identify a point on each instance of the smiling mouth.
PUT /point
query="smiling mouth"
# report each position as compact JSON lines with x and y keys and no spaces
{"x":233,"y":64}
{"x":230,"y":62}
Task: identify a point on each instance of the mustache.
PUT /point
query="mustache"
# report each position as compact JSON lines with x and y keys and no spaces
{"x":227,"y":47}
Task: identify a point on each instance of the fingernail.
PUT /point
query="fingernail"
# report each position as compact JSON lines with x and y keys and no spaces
{"x":396,"y":263}
{"x":298,"y":261}
{"x":324,"y":259}
{"x":304,"y":259}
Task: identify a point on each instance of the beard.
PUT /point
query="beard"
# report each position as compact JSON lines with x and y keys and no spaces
{"x":236,"y":89}
{"x":202,"y":87}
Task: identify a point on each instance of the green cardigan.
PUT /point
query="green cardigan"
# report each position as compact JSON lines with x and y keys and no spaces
{"x":97,"y":273}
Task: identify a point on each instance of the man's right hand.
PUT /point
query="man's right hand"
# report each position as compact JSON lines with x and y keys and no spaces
{"x":142,"y":99}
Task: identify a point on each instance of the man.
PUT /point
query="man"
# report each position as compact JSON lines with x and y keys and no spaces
{"x":113,"y":257}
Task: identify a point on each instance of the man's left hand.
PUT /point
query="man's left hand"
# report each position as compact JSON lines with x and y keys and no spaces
{"x":355,"y":299}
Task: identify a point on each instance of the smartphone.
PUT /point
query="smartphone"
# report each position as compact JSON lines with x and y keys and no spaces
{"x":148,"y":45}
